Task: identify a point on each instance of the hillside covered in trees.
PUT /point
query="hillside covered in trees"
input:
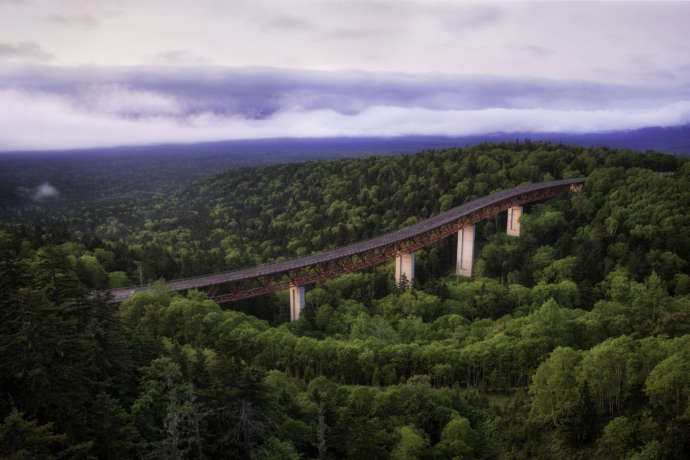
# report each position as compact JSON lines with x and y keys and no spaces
{"x":571,"y":341}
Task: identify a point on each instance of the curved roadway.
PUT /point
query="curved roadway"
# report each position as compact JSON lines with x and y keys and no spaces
{"x":351,"y":249}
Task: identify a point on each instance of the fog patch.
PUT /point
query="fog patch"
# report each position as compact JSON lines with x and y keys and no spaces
{"x":45,"y":191}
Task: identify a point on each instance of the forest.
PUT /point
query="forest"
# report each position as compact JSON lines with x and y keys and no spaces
{"x":571,"y":341}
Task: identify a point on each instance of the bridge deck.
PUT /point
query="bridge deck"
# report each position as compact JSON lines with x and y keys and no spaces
{"x":352,"y":249}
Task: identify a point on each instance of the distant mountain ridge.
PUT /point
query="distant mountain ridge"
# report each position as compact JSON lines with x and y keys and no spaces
{"x":674,"y":140}
{"x":156,"y":169}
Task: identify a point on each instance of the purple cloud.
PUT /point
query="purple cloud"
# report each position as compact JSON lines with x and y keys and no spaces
{"x":178,"y":57}
{"x":24,"y":50}
{"x":113,"y":106}
{"x":261,"y":93}
{"x":471,"y":16}
{"x":79,"y":20}
{"x":289,"y":23}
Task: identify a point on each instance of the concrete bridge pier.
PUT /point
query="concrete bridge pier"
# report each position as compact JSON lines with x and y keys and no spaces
{"x":404,"y":269}
{"x":463,"y":267}
{"x":296,"y":302}
{"x":514,"y":215}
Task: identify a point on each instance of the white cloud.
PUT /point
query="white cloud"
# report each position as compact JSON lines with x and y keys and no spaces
{"x":41,"y":121}
{"x":120,"y":100}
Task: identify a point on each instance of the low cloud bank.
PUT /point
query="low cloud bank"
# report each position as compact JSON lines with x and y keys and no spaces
{"x":66,"y":109}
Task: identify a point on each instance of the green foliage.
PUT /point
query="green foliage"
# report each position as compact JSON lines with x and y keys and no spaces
{"x":668,"y":384}
{"x":118,"y":279}
{"x":21,"y":439}
{"x":410,"y":445}
{"x":458,"y":439}
{"x":604,"y":369}
{"x":569,"y":342}
{"x":377,"y":328}
{"x":616,"y":438}
{"x":275,"y":448}
{"x":554,"y":389}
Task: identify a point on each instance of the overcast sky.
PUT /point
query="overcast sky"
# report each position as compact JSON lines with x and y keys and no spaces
{"x":81,"y":73}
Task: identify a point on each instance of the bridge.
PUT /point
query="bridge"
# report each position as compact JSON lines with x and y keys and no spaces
{"x":398,"y":245}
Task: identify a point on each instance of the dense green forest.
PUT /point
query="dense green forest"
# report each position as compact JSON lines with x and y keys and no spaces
{"x":571,"y":341}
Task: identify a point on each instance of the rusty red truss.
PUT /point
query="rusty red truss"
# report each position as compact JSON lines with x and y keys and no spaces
{"x":356,"y":262}
{"x":265,"y":279}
